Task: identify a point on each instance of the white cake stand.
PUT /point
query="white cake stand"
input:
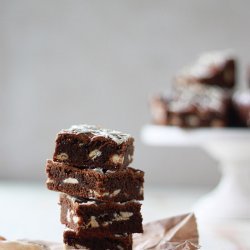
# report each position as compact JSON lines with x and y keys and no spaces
{"x":231,"y":148}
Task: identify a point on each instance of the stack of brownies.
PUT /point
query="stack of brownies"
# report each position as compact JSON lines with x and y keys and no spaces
{"x":201,"y":94}
{"x":99,"y":192}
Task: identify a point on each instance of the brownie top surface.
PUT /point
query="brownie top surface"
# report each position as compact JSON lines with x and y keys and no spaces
{"x":96,"y":131}
{"x":208,"y":63}
{"x":197,"y":95}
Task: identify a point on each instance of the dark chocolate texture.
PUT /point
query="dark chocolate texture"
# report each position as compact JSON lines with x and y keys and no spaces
{"x":87,"y":146}
{"x":122,"y":185}
{"x":97,"y":241}
{"x":82,"y":215}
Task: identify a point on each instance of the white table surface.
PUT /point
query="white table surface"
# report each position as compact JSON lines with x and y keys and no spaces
{"x":157,"y":135}
{"x":29,"y":210}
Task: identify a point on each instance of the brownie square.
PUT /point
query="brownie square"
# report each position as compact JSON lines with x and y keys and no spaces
{"x":82,"y":215}
{"x":106,"y":185}
{"x":193,"y":105}
{"x":216,"y":68}
{"x":88,"y":146}
{"x":100,"y":241}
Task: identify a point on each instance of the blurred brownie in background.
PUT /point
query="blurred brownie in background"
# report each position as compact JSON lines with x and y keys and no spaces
{"x":216,"y":68}
{"x":192,"y":105}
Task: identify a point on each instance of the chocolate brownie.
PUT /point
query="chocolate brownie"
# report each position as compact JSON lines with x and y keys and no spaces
{"x":83,"y":215}
{"x":192,"y":105}
{"x":241,"y":102}
{"x":214,"y":68}
{"x":123,"y":185}
{"x":91,"y":147}
{"x":100,"y":241}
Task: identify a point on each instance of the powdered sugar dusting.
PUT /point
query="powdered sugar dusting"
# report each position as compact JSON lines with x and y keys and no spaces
{"x":96,"y":131}
{"x":200,"y":96}
{"x":207,"y":62}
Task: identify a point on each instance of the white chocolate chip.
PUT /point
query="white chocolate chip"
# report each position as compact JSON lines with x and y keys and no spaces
{"x":122,"y":216}
{"x":94,"y":154}
{"x":62,"y":157}
{"x":71,"y":181}
{"x":117,"y":159}
{"x":95,"y":194}
{"x":98,"y":195}
{"x":68,"y":216}
{"x":85,"y":202}
{"x":126,"y":215}
{"x":92,"y":223}
{"x":104,"y":194}
{"x":121,"y":235}
{"x":49,"y":181}
{"x":75,"y":219}
{"x":130,"y":158}
{"x":110,"y":172}
{"x":115,"y":193}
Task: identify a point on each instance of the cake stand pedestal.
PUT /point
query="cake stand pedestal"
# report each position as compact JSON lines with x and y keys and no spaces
{"x":231,"y":148}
